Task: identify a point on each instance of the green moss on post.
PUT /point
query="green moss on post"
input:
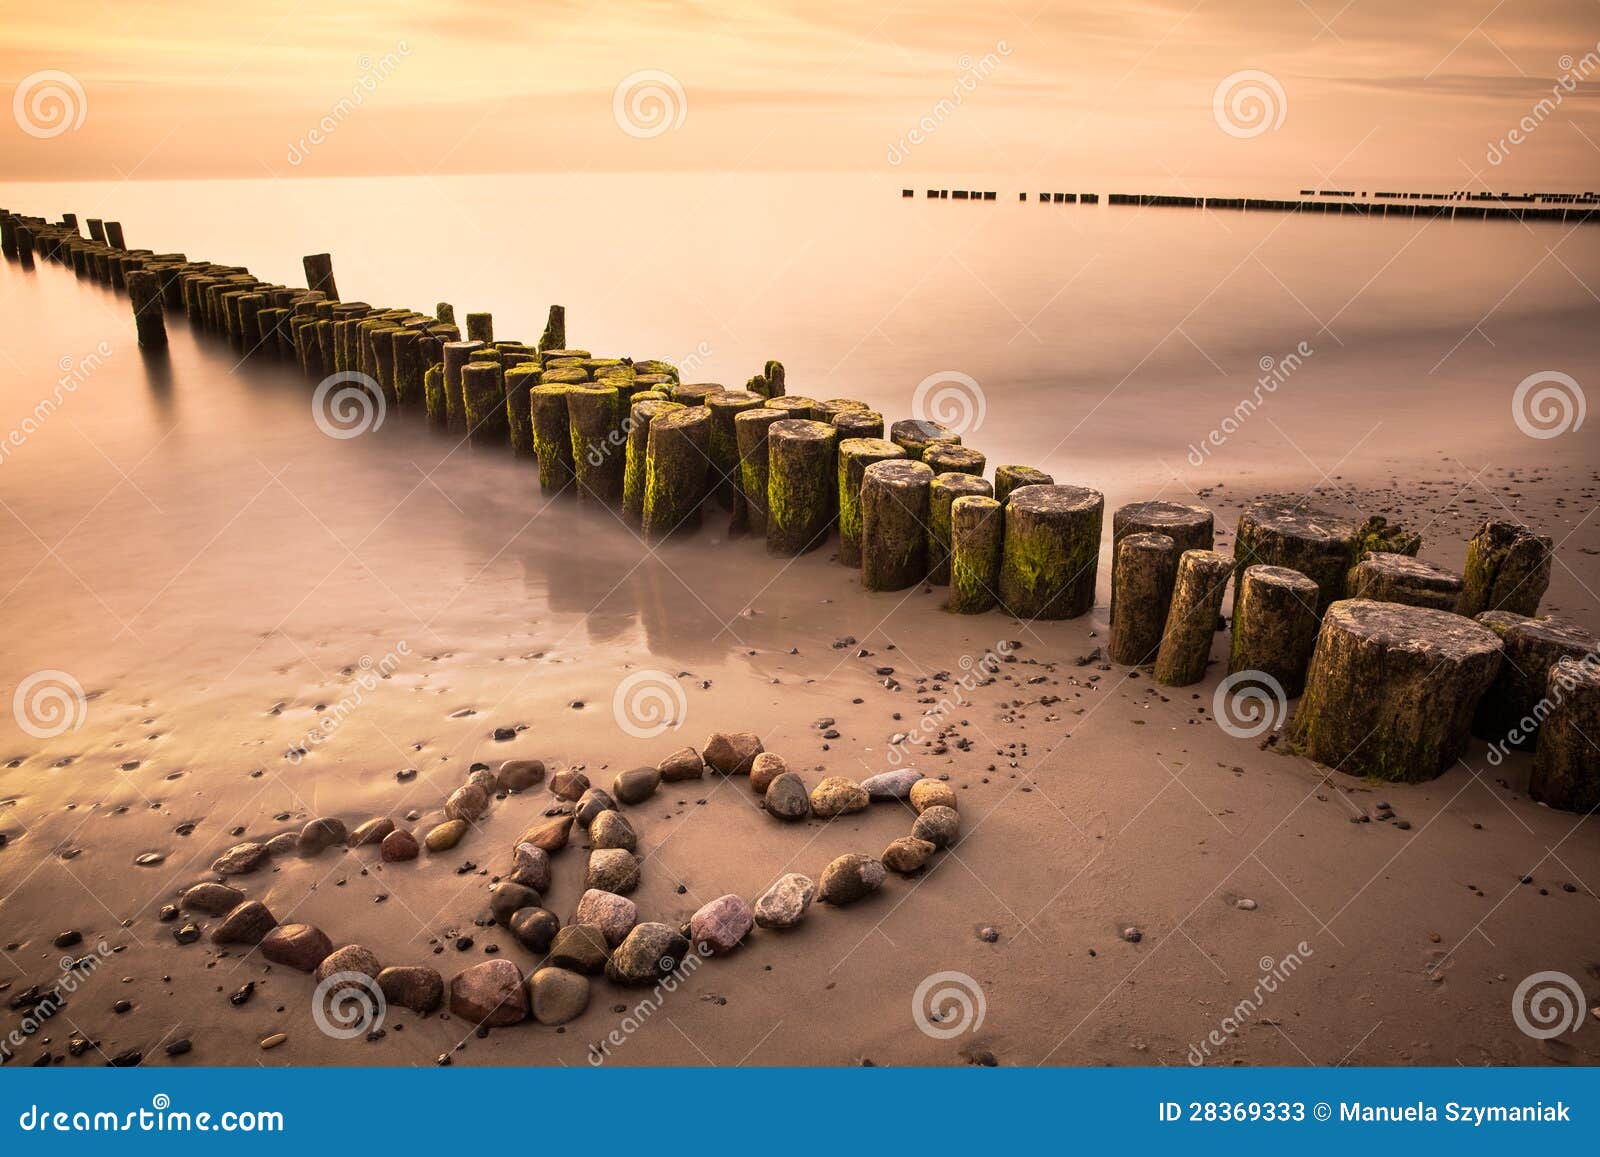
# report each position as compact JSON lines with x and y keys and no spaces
{"x":830,"y":408}
{"x":657,"y":366}
{"x":552,"y":435}
{"x":483,"y":390}
{"x":1052,"y":551}
{"x":563,"y":376}
{"x":894,"y":524}
{"x":144,"y":291}
{"x":555,"y":330}
{"x":1510,"y":713}
{"x":433,"y":396}
{"x":598,"y":454}
{"x":1189,"y":527}
{"x":1144,"y":568}
{"x":769,"y":382}
{"x":1566,"y":773}
{"x":947,"y":487}
{"x":456,"y":355}
{"x":519,"y":414}
{"x":1192,"y":620}
{"x":977,"y":528}
{"x":1292,"y":533}
{"x":943,"y":458}
{"x":750,"y":428}
{"x":1508,"y":569}
{"x":445,"y":312}
{"x":1009,"y":478}
{"x":726,"y":483}
{"x":1274,"y":625}
{"x":1392,"y":689}
{"x":636,"y":471}
{"x":480,"y":327}
{"x":676,"y":461}
{"x":407,"y":367}
{"x":694,"y":393}
{"x":1399,"y":578}
{"x":854,"y":456}
{"x":858,"y":424}
{"x":915,"y":435}
{"x":801,"y":485}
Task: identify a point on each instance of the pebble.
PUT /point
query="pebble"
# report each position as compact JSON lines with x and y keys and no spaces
{"x":765,"y":768}
{"x":273,"y":1041}
{"x":731,"y":752}
{"x":187,"y":934}
{"x":534,"y":928}
{"x":489,"y":994}
{"x":988,"y":934}
{"x":907,"y":854}
{"x":927,"y":793}
{"x":530,"y":866}
{"x":413,"y":987}
{"x":557,"y":995}
{"x":321,"y":834}
{"x":649,"y":952}
{"x":550,"y":836}
{"x":1244,"y":904}
{"x":350,"y":958}
{"x":837,"y":795}
{"x":468,"y":802}
{"x":507,"y":898}
{"x":398,"y":847}
{"x":888,"y":785}
{"x":614,"y":915}
{"x":1132,"y":935}
{"x":591,"y":804}
{"x":784,"y":904}
{"x":374,"y":831}
{"x":720,"y":926}
{"x":68,"y":938}
{"x":284,"y":844}
{"x":787,"y":798}
{"x":211,"y":899}
{"x":581,"y":948}
{"x":301,"y":946}
{"x":612,"y":870}
{"x":247,"y":923}
{"x":939,"y":825}
{"x":446,"y":836}
{"x":240,"y":860}
{"x":519,"y":774}
{"x":850,"y":878}
{"x":685,"y":763}
{"x":568,"y":784}
{"x":636,"y":786}
{"x":611,"y":829}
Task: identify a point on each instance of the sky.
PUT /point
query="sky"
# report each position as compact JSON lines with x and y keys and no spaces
{"x":1349,"y":93}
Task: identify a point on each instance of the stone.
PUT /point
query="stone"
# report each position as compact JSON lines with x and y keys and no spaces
{"x":446,"y":836}
{"x":507,"y":898}
{"x":519,"y":774}
{"x":247,"y":923}
{"x":927,"y":793}
{"x":591,"y":804}
{"x":300,"y":946}
{"x":784,"y":904}
{"x":489,"y":994}
{"x":787,"y":798}
{"x":636,"y":786}
{"x":550,"y":836}
{"x":650,"y":952}
{"x":836,"y":796}
{"x":534,"y":928}
{"x":888,"y":785}
{"x":283,"y":844}
{"x":685,"y":763}
{"x":907,"y":854}
{"x":374,"y":831}
{"x":719,"y":927}
{"x":939,"y":825}
{"x":614,"y":915}
{"x":765,"y":768}
{"x":580,"y":947}
{"x":557,"y":995}
{"x":568,"y":784}
{"x":398,"y":847}
{"x":349,"y":958}
{"x":412,"y":987}
{"x":321,"y":834}
{"x":732,"y":753}
{"x":468,"y":802}
{"x":240,"y":860}
{"x":530,"y":867}
{"x":612,"y":870}
{"x":611,"y":829}
{"x":850,"y":878}
{"x":211,"y":899}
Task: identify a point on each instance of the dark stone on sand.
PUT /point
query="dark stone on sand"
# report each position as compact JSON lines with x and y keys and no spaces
{"x":907,"y":854}
{"x":685,"y":763}
{"x":568,"y":784}
{"x":939,"y":825}
{"x":611,"y":829}
{"x":211,"y":899}
{"x":557,"y":995}
{"x":412,"y":987}
{"x":374,"y":831}
{"x":550,"y":836}
{"x":519,"y":774}
{"x":787,"y":798}
{"x":719,"y":926}
{"x":732,"y":753}
{"x":612,"y":870}
{"x":489,"y":994}
{"x":650,"y":952}
{"x":535,"y":928}
{"x":636,"y":786}
{"x":582,"y":948}
{"x":245,"y":924}
{"x":850,"y":878}
{"x":399,"y":846}
{"x":591,"y":804}
{"x":301,"y":946}
{"x":506,"y":899}
{"x":240,"y":860}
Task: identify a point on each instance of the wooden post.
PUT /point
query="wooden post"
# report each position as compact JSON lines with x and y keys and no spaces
{"x":1294,"y":534}
{"x":1566,"y":773}
{"x":942,"y":494}
{"x":1508,"y":569}
{"x":676,"y":460}
{"x":1144,"y":568}
{"x":854,"y":456}
{"x":483,"y":392}
{"x":555,"y":330}
{"x":1274,"y":625}
{"x":552,"y":435}
{"x":976,"y":529}
{"x":750,"y":429}
{"x":801,"y":473}
{"x":1051,"y":555}
{"x":1009,"y":478}
{"x":144,"y":290}
{"x":319,"y":274}
{"x":1192,"y":620}
{"x":598,"y":455}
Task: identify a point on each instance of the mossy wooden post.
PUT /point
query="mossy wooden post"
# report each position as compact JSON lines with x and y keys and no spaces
{"x":725,"y":480}
{"x":1566,"y":772}
{"x":552,"y":435}
{"x":976,"y":528}
{"x":445,"y":312}
{"x":769,"y":382}
{"x":636,"y":465}
{"x":1189,"y":527}
{"x":483,"y":392}
{"x":456,"y":355}
{"x":555,"y":330}
{"x":794,"y":406}
{"x":1274,"y":625}
{"x":750,"y":428}
{"x":520,"y":379}
{"x":915,"y":435}
{"x":1399,"y":578}
{"x":1508,"y":569}
{"x":693,"y":394}
{"x":250,"y":307}
{"x":144,"y":291}
{"x":854,"y":456}
{"x":801,"y":484}
{"x":676,"y":462}
{"x":942,"y":494}
{"x":1289,"y":533}
{"x":1051,"y":555}
{"x":434,"y":396}
{"x":858,"y":424}
{"x":598,"y":457}
{"x":319,"y":274}
{"x":407,"y":367}
{"x":114,"y":235}
{"x":943,"y":458}
{"x":894,"y":524}
{"x":381,"y":340}
{"x":1009,"y":478}
{"x":1392,"y":689}
{"x":1192,"y":619}
{"x":480,"y":327}
{"x":8,"y":237}
{"x":97,"y":230}
{"x":830,"y":408}
{"x":1510,"y":713}
{"x":1144,"y":567}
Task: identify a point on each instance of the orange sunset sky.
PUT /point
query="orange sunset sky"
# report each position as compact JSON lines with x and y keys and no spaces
{"x":1413,"y":93}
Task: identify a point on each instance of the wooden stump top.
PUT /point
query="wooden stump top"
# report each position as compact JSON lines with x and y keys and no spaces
{"x":1281,"y":576}
{"x":1439,"y":635}
{"x":898,"y":474}
{"x":1054,"y":499}
{"x":1412,"y":572}
{"x":1293,"y":519}
{"x":1157,"y":515}
{"x":798,"y":430}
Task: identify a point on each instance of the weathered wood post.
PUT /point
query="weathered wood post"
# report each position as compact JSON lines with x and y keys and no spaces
{"x":830,"y":408}
{"x":750,"y":428}
{"x":725,"y":479}
{"x":801,"y":472}
{"x":1274,"y":625}
{"x":946,"y":458}
{"x":942,"y":494}
{"x":552,"y":435}
{"x":676,"y":462}
{"x":1566,"y":773}
{"x":858,"y":424}
{"x":483,"y":391}
{"x":114,"y":235}
{"x":769,"y":383}
{"x":25,"y":246}
{"x":794,"y":406}
{"x":915,"y":435}
{"x":1289,"y":533}
{"x":854,"y":456}
{"x":1510,"y":713}
{"x":1192,"y":619}
{"x":434,"y":397}
{"x":520,"y":379}
{"x":1399,"y":578}
{"x":144,"y":290}
{"x":1508,"y":569}
{"x":1051,"y":555}
{"x":555,"y":330}
{"x":894,"y":524}
{"x":456,"y":355}
{"x":8,"y":236}
{"x":598,"y":457}
{"x":97,"y":230}
{"x":636,"y":468}
{"x":319,"y":274}
{"x":692,"y":394}
{"x":976,"y":527}
{"x":1189,"y":527}
{"x":480,"y":327}
{"x":445,"y":312}
{"x":1009,"y":478}
{"x":1392,"y":689}
{"x":1144,"y":568}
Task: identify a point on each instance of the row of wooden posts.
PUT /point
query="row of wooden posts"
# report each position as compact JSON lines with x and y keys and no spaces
{"x":1317,"y":595}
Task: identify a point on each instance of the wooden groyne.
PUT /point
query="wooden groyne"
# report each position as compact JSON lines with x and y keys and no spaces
{"x":914,"y":511}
